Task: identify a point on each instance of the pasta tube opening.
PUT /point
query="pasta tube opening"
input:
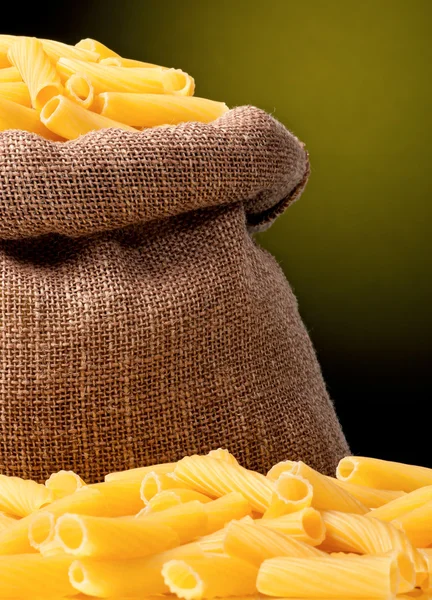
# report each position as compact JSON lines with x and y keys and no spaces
{"x":50,"y":108}
{"x":71,"y":533}
{"x":41,"y":529}
{"x":313,"y":524}
{"x":405,"y":572}
{"x":77,"y":575}
{"x":346,"y":468}
{"x":64,"y":483}
{"x":182,"y":580}
{"x":175,"y":81}
{"x":80,"y":89}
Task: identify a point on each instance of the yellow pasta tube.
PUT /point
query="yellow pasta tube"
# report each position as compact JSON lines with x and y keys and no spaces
{"x":188,"y":520}
{"x":417,"y":525}
{"x":213,"y":542}
{"x":355,"y":533}
{"x":36,"y":69}
{"x":370,"y":497}
{"x":137,"y":577}
{"x":119,"y":61}
{"x":65,"y":118}
{"x":16,"y":91}
{"x":150,"y":110}
{"x":96,"y":47}
{"x":291,"y":493}
{"x":383,"y":474}
{"x":209,"y":577}
{"x":102,"y":537}
{"x":119,"y":79}
{"x":328,"y":495}
{"x":56,"y":50}
{"x":153,"y":483}
{"x":224,"y":455}
{"x":41,"y":529}
{"x":304,"y":525}
{"x":16,"y":116}
{"x":53,"y":49}
{"x":121,"y":498}
{"x":80,"y":90}
{"x":10,"y":75}
{"x":5,"y":521}
{"x":342,"y":577}
{"x":139,"y":472}
{"x":255,"y":543}
{"x":104,"y":500}
{"x":225,"y":509}
{"x":27,"y":576}
{"x":20,"y":497}
{"x":285,"y":466}
{"x":5,"y":43}
{"x":405,"y":504}
{"x":169,"y":498}
{"x":216,"y":478}
{"x":64,"y":483}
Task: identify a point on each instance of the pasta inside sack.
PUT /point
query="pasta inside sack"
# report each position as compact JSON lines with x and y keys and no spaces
{"x":61,"y":92}
{"x":206,"y":527}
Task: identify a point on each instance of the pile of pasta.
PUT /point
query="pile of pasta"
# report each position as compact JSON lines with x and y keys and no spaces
{"x":61,"y":92}
{"x":206,"y":527}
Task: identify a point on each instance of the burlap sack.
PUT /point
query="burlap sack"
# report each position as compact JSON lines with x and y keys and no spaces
{"x":139,"y":320}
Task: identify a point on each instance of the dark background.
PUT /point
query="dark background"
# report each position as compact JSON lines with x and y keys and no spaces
{"x":353,"y":81}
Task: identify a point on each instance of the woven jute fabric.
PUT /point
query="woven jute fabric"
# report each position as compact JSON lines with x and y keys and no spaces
{"x":139,"y":319}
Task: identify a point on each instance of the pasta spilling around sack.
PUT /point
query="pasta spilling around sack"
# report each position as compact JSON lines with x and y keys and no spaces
{"x":206,"y":527}
{"x":61,"y":92}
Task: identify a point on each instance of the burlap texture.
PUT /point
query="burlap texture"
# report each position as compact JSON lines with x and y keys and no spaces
{"x":139,"y":320}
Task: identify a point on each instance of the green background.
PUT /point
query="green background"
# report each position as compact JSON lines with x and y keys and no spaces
{"x":352,"y":80}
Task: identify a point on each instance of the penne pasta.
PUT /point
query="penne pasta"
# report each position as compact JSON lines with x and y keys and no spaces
{"x":383,"y":474}
{"x":216,"y":478}
{"x":80,"y":90}
{"x":121,"y":498}
{"x":342,"y":577}
{"x":16,"y":91}
{"x":20,"y":497}
{"x":417,"y":525}
{"x":285,"y":466}
{"x":37,"y":71}
{"x":291,"y":493}
{"x":118,"y":61}
{"x":209,"y":577}
{"x":56,"y":50}
{"x":304,"y":525}
{"x":169,"y":498}
{"x":95,"y":47}
{"x":28,"y":576}
{"x":255,"y":543}
{"x":102,"y":537}
{"x":369,"y":497}
{"x":213,"y":542}
{"x":355,"y":533}
{"x":326,"y":494}
{"x":64,"y":483}
{"x":224,"y":455}
{"x":10,"y":75}
{"x":151,"y":110}
{"x":140,"y":472}
{"x":134,"y":578}
{"x":400,"y":506}
{"x":68,"y":120}
{"x":119,"y":79}
{"x":188,"y":520}
{"x":225,"y":509}
{"x":153,"y":483}
{"x":16,"y":116}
